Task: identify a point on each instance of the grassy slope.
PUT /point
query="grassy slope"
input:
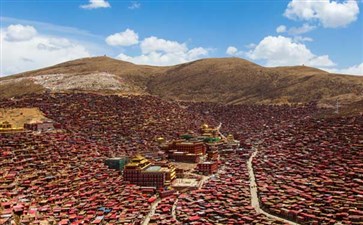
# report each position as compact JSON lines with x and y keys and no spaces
{"x":235,"y":80}
{"x":227,"y":80}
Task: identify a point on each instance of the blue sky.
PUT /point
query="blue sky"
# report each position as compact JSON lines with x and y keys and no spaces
{"x":324,"y":34}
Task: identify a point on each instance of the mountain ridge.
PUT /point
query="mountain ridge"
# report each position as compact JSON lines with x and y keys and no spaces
{"x":225,"y":80}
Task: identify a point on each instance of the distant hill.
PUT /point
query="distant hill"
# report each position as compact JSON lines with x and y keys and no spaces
{"x":225,"y":80}
{"x":97,"y":74}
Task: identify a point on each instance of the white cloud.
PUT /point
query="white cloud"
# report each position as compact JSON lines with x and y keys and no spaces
{"x":281,"y":29}
{"x":152,"y":44}
{"x":318,"y":61}
{"x":135,"y":5}
{"x":302,"y":39}
{"x":305,"y":28}
{"x":154,"y":58}
{"x":19,"y":32}
{"x":95,"y":4}
{"x":196,"y":53}
{"x":331,"y":14}
{"x":161,"y":52}
{"x":251,"y":45}
{"x":64,"y":30}
{"x":284,"y":51}
{"x":231,"y":50}
{"x":295,"y":30}
{"x":126,"y":38}
{"x":353,"y":70}
{"x":37,"y":52}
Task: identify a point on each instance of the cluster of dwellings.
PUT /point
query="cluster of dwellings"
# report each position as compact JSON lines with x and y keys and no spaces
{"x":5,"y":127}
{"x":208,"y":167}
{"x":41,"y":126}
{"x":185,"y":151}
{"x":194,"y":149}
{"x":203,"y":149}
{"x":326,"y":152}
{"x":142,"y":172}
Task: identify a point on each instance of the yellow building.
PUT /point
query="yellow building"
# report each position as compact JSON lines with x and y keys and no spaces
{"x":141,"y":171}
{"x":5,"y":127}
{"x":207,"y":131}
{"x":223,"y":142}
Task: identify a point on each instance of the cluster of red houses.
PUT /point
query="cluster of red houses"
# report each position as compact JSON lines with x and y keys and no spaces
{"x":185,"y":151}
{"x":307,"y":170}
{"x":312,"y":172}
{"x":56,"y":178}
{"x":202,"y":149}
{"x":164,"y":212}
{"x":247,"y":121}
{"x":38,"y":125}
{"x":224,"y":199}
{"x":62,"y":177}
{"x":45,"y":125}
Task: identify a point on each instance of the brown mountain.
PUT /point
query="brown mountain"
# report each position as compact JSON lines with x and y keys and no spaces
{"x":227,"y":80}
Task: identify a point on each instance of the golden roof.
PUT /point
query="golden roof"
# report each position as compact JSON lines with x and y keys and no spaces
{"x":205,"y":126}
{"x":138,"y":157}
{"x":160,"y":140}
{"x":137,"y":160}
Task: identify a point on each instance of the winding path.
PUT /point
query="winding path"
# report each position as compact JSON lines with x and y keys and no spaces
{"x":152,"y":211}
{"x":173,"y":210}
{"x":254,"y":196}
{"x":253,"y":189}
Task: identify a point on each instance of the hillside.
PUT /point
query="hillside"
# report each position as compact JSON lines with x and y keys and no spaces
{"x":97,"y":74}
{"x":226,"y":80}
{"x":234,"y":80}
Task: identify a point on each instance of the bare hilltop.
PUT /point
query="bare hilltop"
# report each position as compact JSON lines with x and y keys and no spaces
{"x":224,"y":80}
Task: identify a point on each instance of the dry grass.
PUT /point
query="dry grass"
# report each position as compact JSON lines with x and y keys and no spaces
{"x":23,"y":87}
{"x":237,"y":81}
{"x":226,"y":80}
{"x":18,"y":116}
